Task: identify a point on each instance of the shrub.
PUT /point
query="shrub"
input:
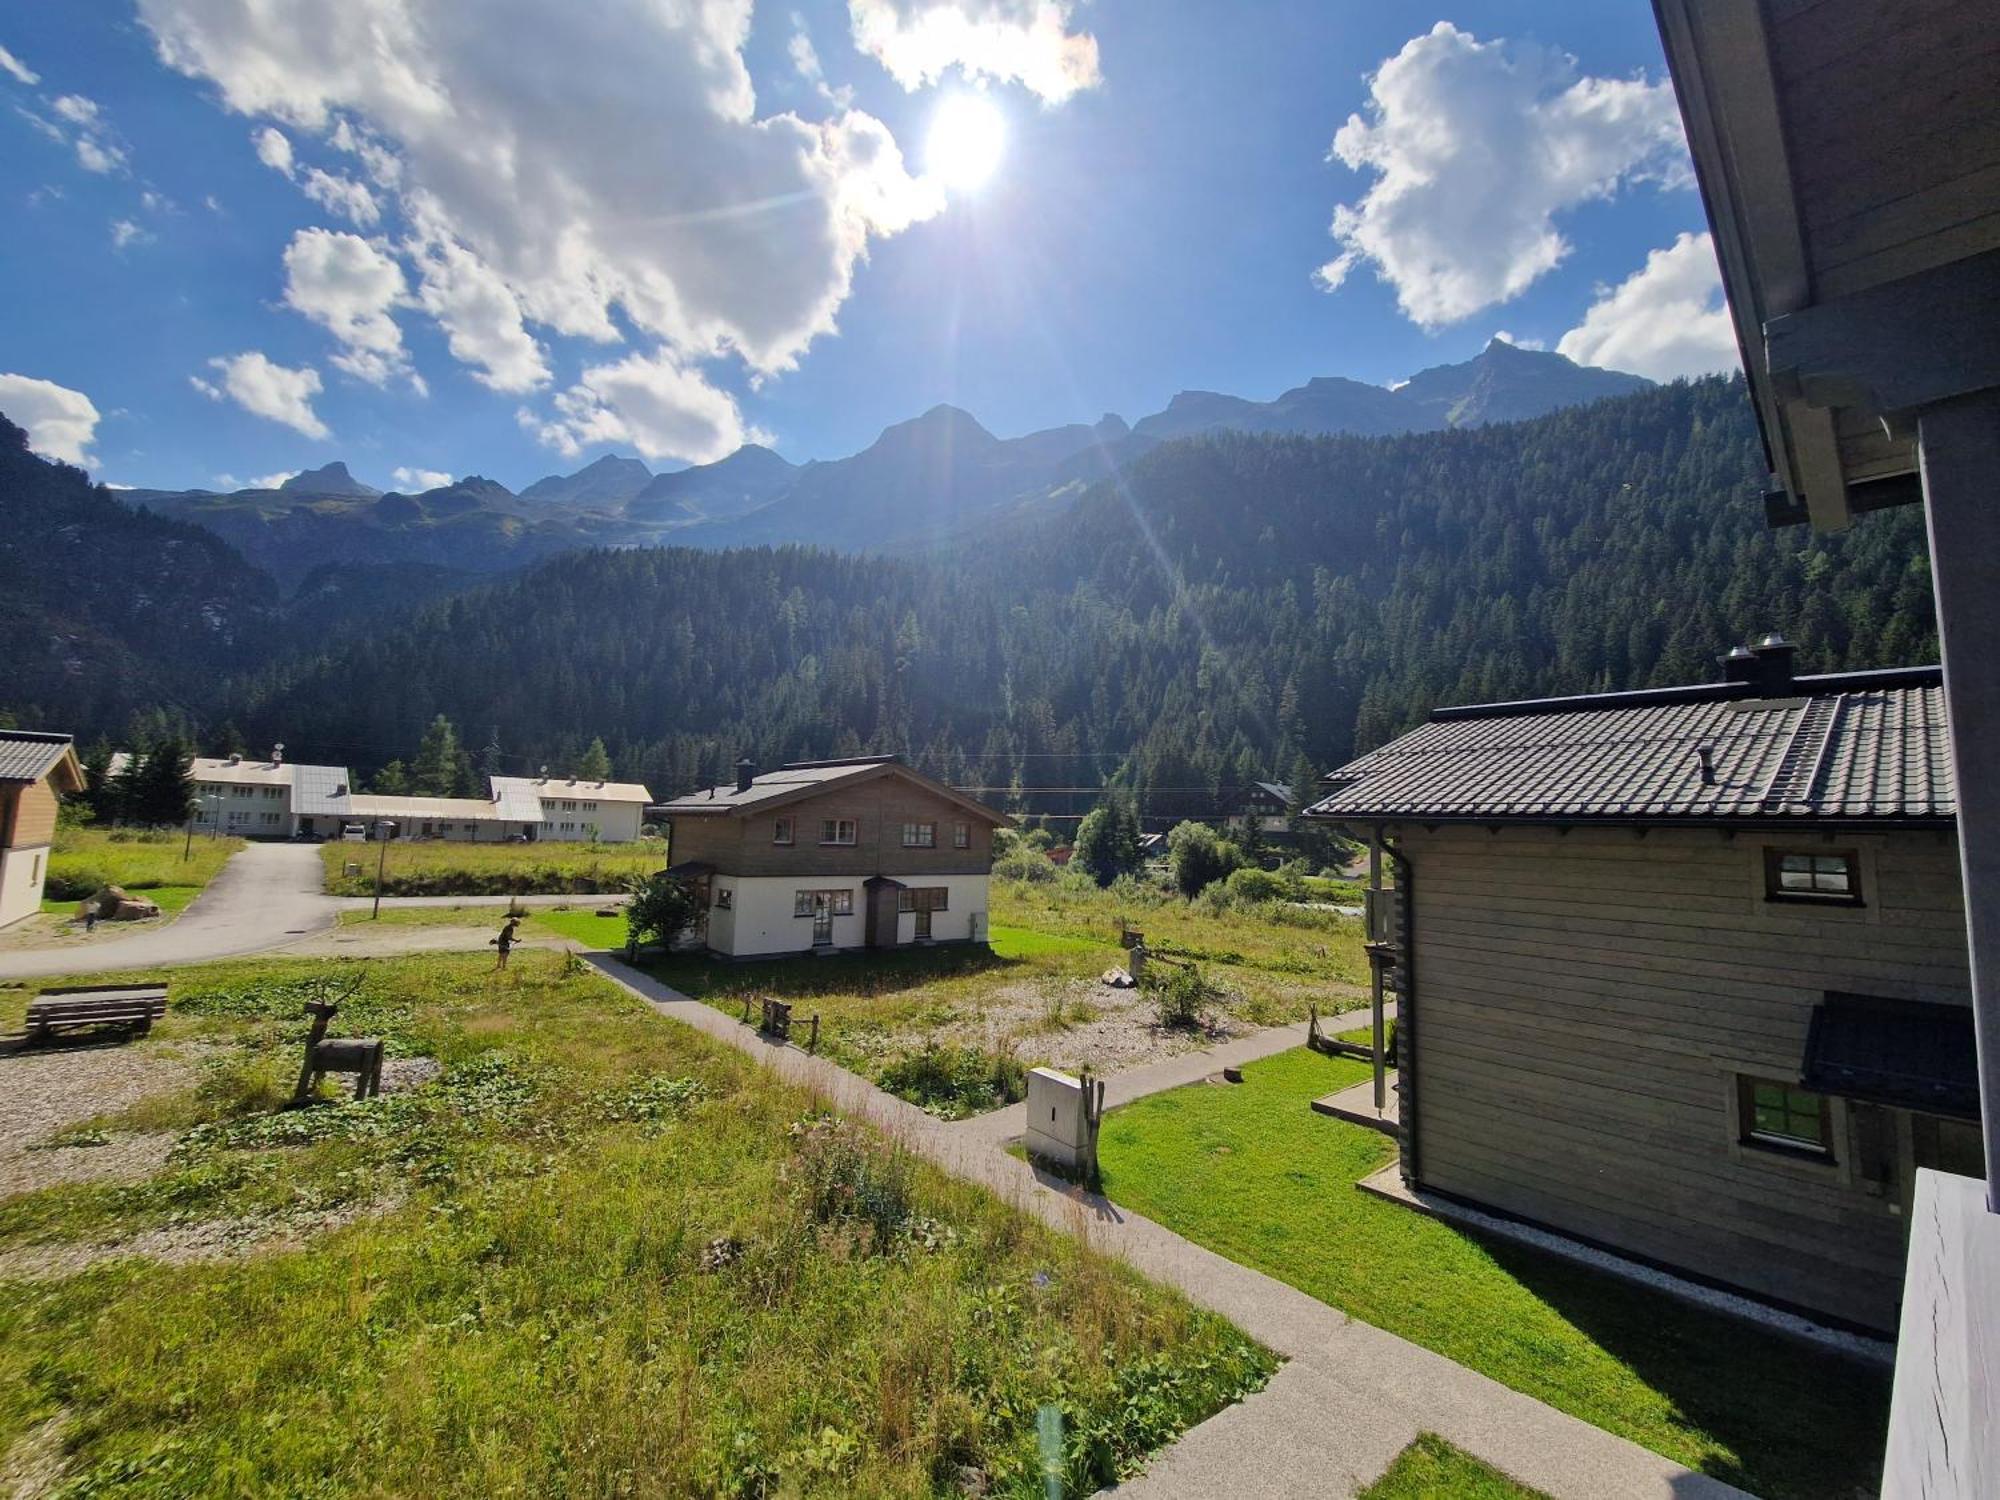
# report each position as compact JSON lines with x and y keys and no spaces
{"x":954,"y":1082}
{"x":842,"y":1177}
{"x":1256,"y":886}
{"x":75,"y":883}
{"x":1025,"y":862}
{"x":1199,"y":857}
{"x":1182,"y":995}
{"x":662,"y":908}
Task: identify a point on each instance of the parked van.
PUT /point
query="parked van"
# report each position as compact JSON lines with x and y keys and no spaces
{"x":354,"y":833}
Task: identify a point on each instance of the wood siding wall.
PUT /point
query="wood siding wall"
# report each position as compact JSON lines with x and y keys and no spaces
{"x":34,"y":817}
{"x":741,"y":845}
{"x":1585,"y":1002}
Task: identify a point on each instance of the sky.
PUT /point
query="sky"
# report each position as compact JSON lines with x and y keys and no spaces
{"x":432,"y":239}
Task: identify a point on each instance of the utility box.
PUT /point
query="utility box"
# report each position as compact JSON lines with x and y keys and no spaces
{"x":1063,"y":1116}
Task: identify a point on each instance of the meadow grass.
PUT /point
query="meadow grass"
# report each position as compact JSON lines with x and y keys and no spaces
{"x":440,"y":867}
{"x":424,"y":916}
{"x":1251,"y":1172}
{"x":1431,"y":1468}
{"x":600,"y":1255}
{"x":85,"y":860}
{"x":584,"y":926}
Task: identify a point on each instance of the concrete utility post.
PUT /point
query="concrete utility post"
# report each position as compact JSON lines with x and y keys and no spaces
{"x":383,"y":829}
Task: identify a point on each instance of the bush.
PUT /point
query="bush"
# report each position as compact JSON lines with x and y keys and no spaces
{"x":1256,"y":886}
{"x":76,"y":883}
{"x":842,"y":1177}
{"x":954,"y":1082}
{"x":1182,"y":995}
{"x":1025,"y":862}
{"x":663,"y":908}
{"x":1199,"y":857}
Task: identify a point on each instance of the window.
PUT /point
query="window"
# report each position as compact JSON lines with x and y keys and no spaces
{"x":1783,"y":1115}
{"x":920,"y":835}
{"x":961,"y":835}
{"x":590,"y":807}
{"x":836,"y":830}
{"x":781,"y":831}
{"x":569,"y":807}
{"x":838,"y":903}
{"x":725,"y":899}
{"x":1832,"y":876}
{"x":927,"y":898}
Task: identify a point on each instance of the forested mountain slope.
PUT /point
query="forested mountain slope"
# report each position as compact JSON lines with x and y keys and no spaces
{"x":104,"y":609}
{"x":1231,"y":606}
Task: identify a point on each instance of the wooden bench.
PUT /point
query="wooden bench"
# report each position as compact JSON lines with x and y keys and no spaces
{"x":131,"y":1007}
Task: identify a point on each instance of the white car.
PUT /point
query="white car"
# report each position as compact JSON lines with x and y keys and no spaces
{"x":354,"y":833}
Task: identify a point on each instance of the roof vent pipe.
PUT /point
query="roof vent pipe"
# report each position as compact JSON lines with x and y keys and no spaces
{"x":746,"y":772}
{"x":278,"y":753}
{"x":1706,"y":755}
{"x":1773,"y":666}
{"x":235,"y":759}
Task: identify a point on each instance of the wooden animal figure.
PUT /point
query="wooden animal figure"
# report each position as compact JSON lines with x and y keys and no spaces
{"x":361,"y":1056}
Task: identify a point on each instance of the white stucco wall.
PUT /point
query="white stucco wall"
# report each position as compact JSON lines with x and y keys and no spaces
{"x":957,"y":923}
{"x":759,"y":919}
{"x":22,"y":873}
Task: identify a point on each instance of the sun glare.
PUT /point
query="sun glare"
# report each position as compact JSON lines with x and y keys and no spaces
{"x":968,"y":135}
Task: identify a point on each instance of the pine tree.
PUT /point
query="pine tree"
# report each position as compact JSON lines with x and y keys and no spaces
{"x":393,"y":780}
{"x":441,"y":767}
{"x":595,"y":763}
{"x":161,"y":793}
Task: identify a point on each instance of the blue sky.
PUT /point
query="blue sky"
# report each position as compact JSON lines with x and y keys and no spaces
{"x":507,"y":239}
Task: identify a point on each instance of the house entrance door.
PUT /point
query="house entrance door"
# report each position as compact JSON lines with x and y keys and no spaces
{"x":822,"y":920}
{"x":923,"y":915}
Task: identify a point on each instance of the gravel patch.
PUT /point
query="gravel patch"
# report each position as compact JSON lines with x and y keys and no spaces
{"x":186,"y":1244}
{"x":1041,"y":1020}
{"x":33,"y":1464}
{"x":401,"y":1074}
{"x":42,"y":1093}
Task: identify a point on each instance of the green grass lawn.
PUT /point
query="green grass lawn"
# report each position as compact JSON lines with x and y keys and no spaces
{"x":172,"y":900}
{"x":440,"y":867}
{"x":584,"y":926}
{"x":85,"y":860}
{"x":1252,"y":1173}
{"x":1431,"y":1468}
{"x":425,"y":916}
{"x":1013,"y":942}
{"x":599,"y":1255}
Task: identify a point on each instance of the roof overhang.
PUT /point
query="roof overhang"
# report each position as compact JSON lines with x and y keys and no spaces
{"x":694,"y":807}
{"x":1797,"y":824}
{"x":1826,"y":234}
{"x":1904,"y":1053}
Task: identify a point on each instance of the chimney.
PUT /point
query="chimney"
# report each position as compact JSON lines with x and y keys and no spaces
{"x":746,"y":772}
{"x":1740,"y":665}
{"x":1773,"y":666}
{"x":235,"y":759}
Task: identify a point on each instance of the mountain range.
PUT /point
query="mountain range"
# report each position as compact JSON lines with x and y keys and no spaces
{"x":921,"y":482}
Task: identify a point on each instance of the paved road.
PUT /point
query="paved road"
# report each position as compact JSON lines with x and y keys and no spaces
{"x":266,"y":896}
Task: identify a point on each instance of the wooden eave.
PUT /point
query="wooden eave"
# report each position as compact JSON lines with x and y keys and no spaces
{"x":1847,"y":152}
{"x":811,"y":790}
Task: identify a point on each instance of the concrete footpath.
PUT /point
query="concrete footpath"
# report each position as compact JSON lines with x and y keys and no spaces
{"x":1350,"y":1396}
{"x":266,"y":896}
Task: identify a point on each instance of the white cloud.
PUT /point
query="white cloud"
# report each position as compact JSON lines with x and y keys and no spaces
{"x":18,"y":70}
{"x":124,"y":232}
{"x":342,"y":195}
{"x":1009,"y":41}
{"x":1476,"y":147}
{"x":267,"y":390}
{"x":274,"y":149}
{"x":416,"y":481}
{"x":480,"y":317}
{"x":1519,"y":343}
{"x":649,"y":402}
{"x":806,"y":63}
{"x":606,"y":163}
{"x":259,"y":482}
{"x":61,"y":423}
{"x":98,"y":148}
{"x":349,"y":286}
{"x":1666,"y":319}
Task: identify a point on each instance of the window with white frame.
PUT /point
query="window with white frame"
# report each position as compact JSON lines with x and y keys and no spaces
{"x":920,"y":835}
{"x":837,"y":903}
{"x":961,"y":835}
{"x":781,"y":830}
{"x":836,"y":830}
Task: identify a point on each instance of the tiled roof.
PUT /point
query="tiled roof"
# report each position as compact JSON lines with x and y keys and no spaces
{"x":28,"y":754}
{"x":1855,"y":747}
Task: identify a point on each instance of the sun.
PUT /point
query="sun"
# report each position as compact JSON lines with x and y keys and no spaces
{"x":967,"y":138}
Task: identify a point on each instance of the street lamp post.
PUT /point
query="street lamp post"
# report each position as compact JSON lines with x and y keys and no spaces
{"x":383,"y":829}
